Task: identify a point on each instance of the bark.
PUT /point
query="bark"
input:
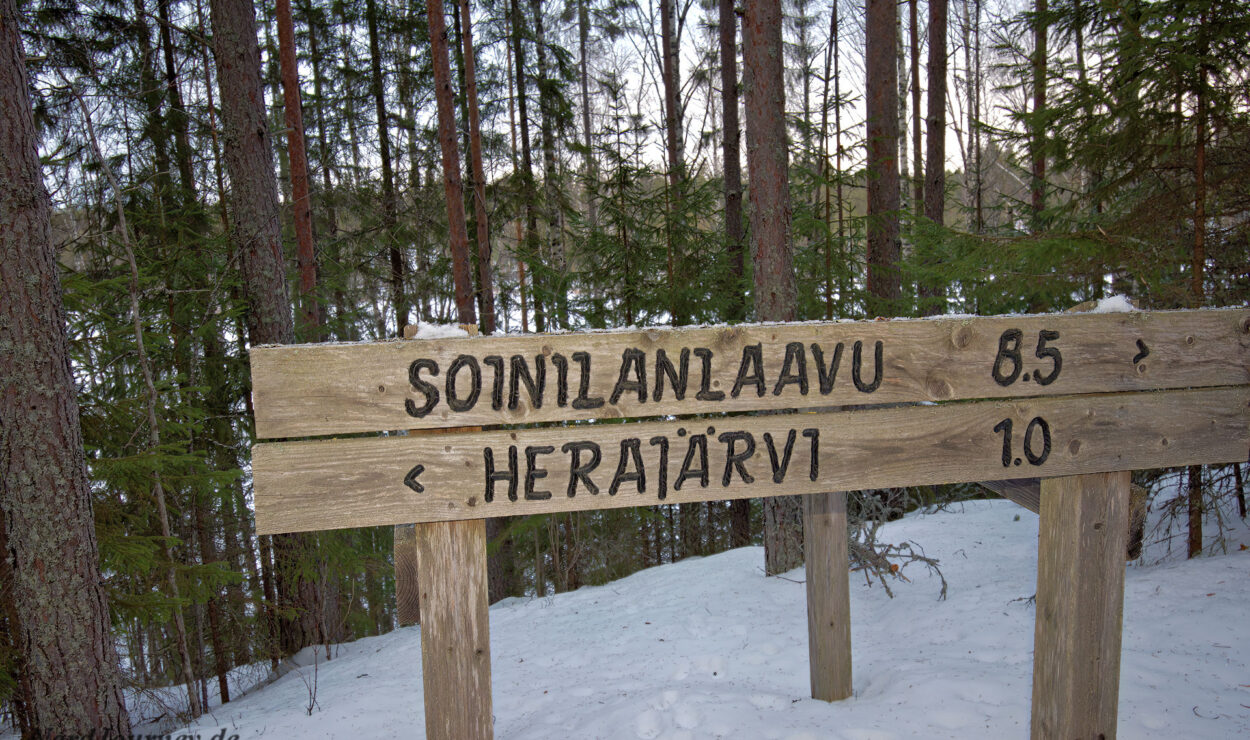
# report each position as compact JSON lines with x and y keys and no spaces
{"x":1239,"y":488}
{"x":520,"y":235}
{"x":917,"y":180}
{"x":775,"y":292}
{"x":884,"y":280}
{"x":935,"y":166}
{"x":301,"y":204}
{"x":824,"y":160}
{"x":1037,"y":139}
{"x":551,"y":184}
{"x":591,"y":163}
{"x":732,"y":146}
{"x":65,"y":635}
{"x":399,"y":299}
{"x":481,"y":213}
{"x":257,"y":238}
{"x":453,"y":189}
{"x":1196,"y":287}
{"x":529,"y":193}
{"x":735,"y":289}
{"x":674,"y":140}
{"x":672,"y":116}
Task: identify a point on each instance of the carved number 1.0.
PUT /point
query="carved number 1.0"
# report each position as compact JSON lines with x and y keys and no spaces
{"x":1035,"y":458}
{"x":1009,"y":356}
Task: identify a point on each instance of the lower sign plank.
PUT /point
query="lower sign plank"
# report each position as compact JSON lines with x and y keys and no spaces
{"x":332,"y":484}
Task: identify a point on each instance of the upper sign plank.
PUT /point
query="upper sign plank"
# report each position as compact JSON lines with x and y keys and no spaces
{"x":325,"y":389}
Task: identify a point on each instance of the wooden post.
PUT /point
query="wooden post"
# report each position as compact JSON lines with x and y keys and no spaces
{"x":828,"y":595}
{"x":407,"y":594}
{"x":455,"y":630}
{"x":1080,"y":603}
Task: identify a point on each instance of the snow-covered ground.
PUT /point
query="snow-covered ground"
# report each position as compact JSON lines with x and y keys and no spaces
{"x":709,"y":647}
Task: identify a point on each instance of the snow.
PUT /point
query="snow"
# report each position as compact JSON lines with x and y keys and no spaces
{"x":1114,"y":304}
{"x":440,"y":331}
{"x":709,"y":647}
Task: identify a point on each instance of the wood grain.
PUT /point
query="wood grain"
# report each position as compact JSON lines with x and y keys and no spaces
{"x":1080,"y":603}
{"x":826,"y":560}
{"x":407,"y":593}
{"x":455,"y":630}
{"x":322,"y":389}
{"x":328,"y":484}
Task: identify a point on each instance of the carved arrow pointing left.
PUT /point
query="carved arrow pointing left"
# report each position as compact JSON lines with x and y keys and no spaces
{"x":410,"y":480}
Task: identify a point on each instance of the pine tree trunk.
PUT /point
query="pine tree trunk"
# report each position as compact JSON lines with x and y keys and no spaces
{"x":547,"y":104}
{"x":453,"y":188}
{"x":884,"y":280}
{"x":591,"y":163}
{"x":309,"y":320}
{"x":673,"y":138}
{"x":917,"y":179}
{"x":257,"y":238}
{"x":1037,"y":138}
{"x":530,"y":251}
{"x":735,"y":288}
{"x":931,"y":291}
{"x":399,"y":298}
{"x":520,"y":235}
{"x":775,"y":291}
{"x":481,"y":212}
{"x":65,"y":636}
{"x":1197,"y":289}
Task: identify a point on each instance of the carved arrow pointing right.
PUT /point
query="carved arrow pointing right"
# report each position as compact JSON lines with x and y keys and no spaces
{"x":1143,"y":354}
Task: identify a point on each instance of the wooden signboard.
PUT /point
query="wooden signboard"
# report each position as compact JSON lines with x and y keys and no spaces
{"x":392,"y":480}
{"x":853,"y":405}
{"x":322,"y":389}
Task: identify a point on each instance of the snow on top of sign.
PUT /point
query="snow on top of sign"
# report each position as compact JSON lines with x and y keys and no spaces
{"x":1114,"y":304}
{"x":440,"y":331}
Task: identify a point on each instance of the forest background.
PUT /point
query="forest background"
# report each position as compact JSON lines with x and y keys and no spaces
{"x":529,"y":166}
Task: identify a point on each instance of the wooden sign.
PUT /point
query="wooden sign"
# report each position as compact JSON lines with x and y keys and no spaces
{"x":322,"y":389}
{"x":392,"y":480}
{"x":1066,"y":398}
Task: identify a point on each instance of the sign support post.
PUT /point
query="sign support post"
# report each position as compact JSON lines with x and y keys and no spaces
{"x":455,"y":630}
{"x":828,"y":579}
{"x":1080,"y":605}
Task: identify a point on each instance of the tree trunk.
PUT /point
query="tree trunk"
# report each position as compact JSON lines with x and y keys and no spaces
{"x":547,"y":104}
{"x":1037,"y":138}
{"x":591,"y":163}
{"x":66,"y":638}
{"x":481,"y":213}
{"x":884,"y":280}
{"x":529,"y":193}
{"x":735,"y":289}
{"x":674,"y":150}
{"x":399,"y":298}
{"x":453,"y":189}
{"x":301,"y":205}
{"x":775,"y":292}
{"x":732,"y":150}
{"x":917,"y":180}
{"x":1197,"y":289}
{"x":258,"y":242}
{"x":520,"y":234}
{"x":931,"y":291}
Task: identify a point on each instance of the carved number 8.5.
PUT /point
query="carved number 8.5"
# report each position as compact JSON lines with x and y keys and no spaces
{"x":1038,"y":424}
{"x":1009,"y":356}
